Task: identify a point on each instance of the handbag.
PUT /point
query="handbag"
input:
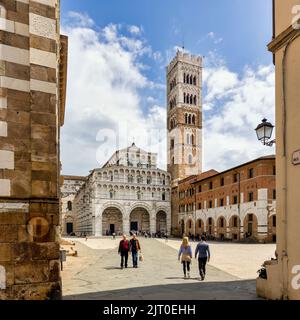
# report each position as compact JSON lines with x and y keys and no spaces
{"x":141,"y":257}
{"x":186,"y":257}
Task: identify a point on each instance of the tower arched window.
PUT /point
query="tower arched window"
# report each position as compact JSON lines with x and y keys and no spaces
{"x":192,"y":139}
{"x":186,"y":118}
{"x":188,"y":138}
{"x":184,"y":78}
{"x":190,"y":159}
{"x":194,"y":80}
{"x":70,"y":205}
{"x":195,"y":100}
{"x":190,"y":119}
{"x":184,"y":98}
{"x":193,"y":119}
{"x":163,"y":196}
{"x":188,"y":98}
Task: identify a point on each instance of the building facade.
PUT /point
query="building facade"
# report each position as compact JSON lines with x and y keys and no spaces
{"x":129,"y":193}
{"x":33,"y":59}
{"x":283,"y":275}
{"x":184,"y":116}
{"x":235,"y":204}
{"x":69,"y":188}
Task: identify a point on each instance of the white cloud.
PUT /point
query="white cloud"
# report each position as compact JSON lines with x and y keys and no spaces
{"x":233,"y":106}
{"x":135,"y":29}
{"x":104,"y":101}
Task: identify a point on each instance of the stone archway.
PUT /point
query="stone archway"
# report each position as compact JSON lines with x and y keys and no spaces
{"x":69,"y":225}
{"x":189,"y":227}
{"x":139,"y":220}
{"x":234,"y":227}
{"x":250,"y":226}
{"x":221,"y":228}
{"x":199,"y":227}
{"x":161,"y":221}
{"x":210,"y":226}
{"x":112,"y":221}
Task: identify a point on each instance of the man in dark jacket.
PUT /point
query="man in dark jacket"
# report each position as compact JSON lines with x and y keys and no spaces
{"x":124,"y":248}
{"x":204,"y":256}
{"x":134,"y":248}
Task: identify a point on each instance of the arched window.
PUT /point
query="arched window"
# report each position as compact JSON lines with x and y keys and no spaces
{"x":191,"y":79}
{"x":188,"y":98}
{"x":186,"y":118}
{"x":2,"y":12}
{"x":194,"y":80}
{"x":190,"y":119}
{"x":163,"y":196}
{"x":184,"y":78}
{"x":190,"y":159}
{"x":70,"y":205}
{"x":188,"y":138}
{"x":184,"y":98}
{"x":148,"y":180}
{"x":111,"y":194}
{"x":192,"y":139}
{"x":193,"y":119}
{"x":195,"y":100}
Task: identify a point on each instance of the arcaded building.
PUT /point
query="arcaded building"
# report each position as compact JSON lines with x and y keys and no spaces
{"x":235,"y":204}
{"x":129,"y":193}
{"x":33,"y":58}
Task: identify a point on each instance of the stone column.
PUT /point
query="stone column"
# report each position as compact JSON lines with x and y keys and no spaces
{"x":98,"y":226}
{"x":153,"y":222}
{"x":126,"y":224}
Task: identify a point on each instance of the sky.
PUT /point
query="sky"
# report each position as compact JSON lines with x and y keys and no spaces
{"x":116,"y":92}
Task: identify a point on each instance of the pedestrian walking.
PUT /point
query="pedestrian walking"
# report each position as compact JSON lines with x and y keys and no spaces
{"x":204,"y":255}
{"x":134,"y":249}
{"x":185,"y":252}
{"x":123,"y":251}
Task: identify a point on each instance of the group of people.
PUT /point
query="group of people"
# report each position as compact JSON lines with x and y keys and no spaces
{"x":129,"y":246}
{"x":185,"y":255}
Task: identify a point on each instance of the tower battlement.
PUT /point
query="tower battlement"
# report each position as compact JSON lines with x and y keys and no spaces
{"x":186,"y":58}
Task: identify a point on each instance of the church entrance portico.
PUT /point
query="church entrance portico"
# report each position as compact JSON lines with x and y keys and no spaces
{"x":112,"y":221}
{"x":139,"y":220}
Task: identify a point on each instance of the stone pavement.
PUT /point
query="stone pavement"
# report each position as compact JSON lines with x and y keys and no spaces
{"x":95,"y":274}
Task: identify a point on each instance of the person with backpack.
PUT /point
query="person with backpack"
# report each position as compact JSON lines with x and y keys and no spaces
{"x":123,"y":251}
{"x":134,"y":249}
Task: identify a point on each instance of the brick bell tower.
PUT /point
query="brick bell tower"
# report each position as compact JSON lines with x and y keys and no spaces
{"x":184,"y":118}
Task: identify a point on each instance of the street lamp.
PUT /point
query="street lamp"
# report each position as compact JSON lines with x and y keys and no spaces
{"x":264,"y":133}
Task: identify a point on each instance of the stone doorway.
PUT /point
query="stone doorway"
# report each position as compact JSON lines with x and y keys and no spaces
{"x":112,"y":221}
{"x":140,"y":220}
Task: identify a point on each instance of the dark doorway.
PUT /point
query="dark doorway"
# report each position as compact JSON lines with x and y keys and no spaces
{"x":69,"y":227}
{"x":112,"y":228}
{"x":133,"y":226}
{"x":250,"y":229}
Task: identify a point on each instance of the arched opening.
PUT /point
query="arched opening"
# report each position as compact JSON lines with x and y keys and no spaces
{"x":161,"y":222}
{"x":250,"y":226}
{"x":189,"y":227}
{"x":272,"y":228}
{"x":69,"y":205}
{"x":112,"y":221}
{"x":210,"y":226}
{"x":234,"y":227}
{"x":221,"y":228}
{"x":199,"y":227}
{"x":184,"y":97}
{"x":139,"y":220}
{"x":69,"y":225}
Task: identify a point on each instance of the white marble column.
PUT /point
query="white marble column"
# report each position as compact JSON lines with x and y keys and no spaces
{"x":126,"y":224}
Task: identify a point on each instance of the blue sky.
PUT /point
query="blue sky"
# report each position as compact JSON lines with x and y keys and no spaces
{"x":231,"y":34}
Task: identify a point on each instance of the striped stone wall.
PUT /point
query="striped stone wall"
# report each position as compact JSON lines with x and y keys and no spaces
{"x":29,"y":142}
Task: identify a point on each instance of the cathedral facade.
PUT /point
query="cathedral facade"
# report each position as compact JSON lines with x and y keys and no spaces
{"x":129,"y":193}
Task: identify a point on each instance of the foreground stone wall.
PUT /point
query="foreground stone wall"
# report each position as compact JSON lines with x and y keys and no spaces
{"x":29,"y":144}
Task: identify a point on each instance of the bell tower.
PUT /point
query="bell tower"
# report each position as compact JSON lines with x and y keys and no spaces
{"x":184,"y":118}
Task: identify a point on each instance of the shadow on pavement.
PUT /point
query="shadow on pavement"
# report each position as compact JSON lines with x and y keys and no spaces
{"x":230,"y":290}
